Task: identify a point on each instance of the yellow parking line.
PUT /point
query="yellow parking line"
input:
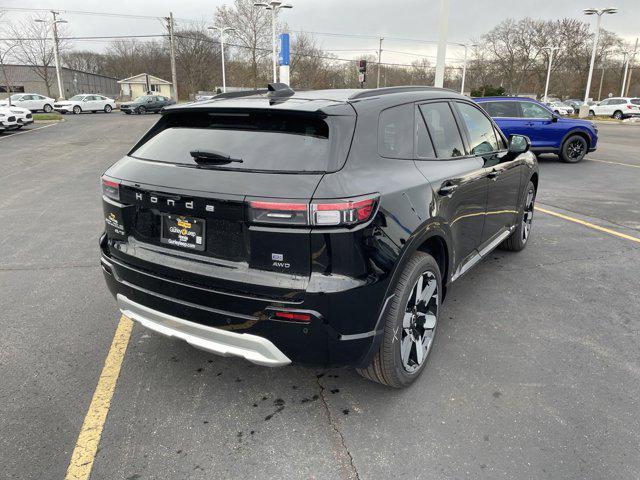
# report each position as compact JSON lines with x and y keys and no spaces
{"x":87,"y":445}
{"x":590,"y":225}
{"x":614,"y":163}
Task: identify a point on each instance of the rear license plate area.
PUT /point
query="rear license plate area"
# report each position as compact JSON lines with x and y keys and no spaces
{"x":183,"y":232}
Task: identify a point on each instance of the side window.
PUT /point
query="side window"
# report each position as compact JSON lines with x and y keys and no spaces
{"x":424,"y":147}
{"x":501,"y":109}
{"x":443,"y":129}
{"x":395,"y":132}
{"x":533,"y":110}
{"x":482,"y":138}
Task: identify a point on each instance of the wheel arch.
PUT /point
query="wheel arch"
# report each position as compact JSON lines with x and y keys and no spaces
{"x":579,"y":132}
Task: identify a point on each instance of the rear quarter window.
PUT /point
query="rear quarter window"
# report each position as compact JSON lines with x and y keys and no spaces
{"x":264,"y":141}
{"x":395,"y":132}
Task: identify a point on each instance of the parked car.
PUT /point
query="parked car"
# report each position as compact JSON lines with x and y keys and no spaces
{"x":617,"y":107}
{"x":570,"y":138}
{"x":146,"y":103}
{"x":575,"y":104}
{"x":318,"y":227}
{"x":32,"y":101}
{"x":560,"y":108}
{"x":23,"y":116}
{"x":7,"y":119}
{"x":85,"y":102}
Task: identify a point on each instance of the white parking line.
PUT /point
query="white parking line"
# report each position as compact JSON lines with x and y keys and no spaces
{"x":28,"y":131}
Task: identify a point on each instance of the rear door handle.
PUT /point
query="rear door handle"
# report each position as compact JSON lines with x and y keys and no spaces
{"x":493,"y":174}
{"x":529,"y":124}
{"x":447,"y":188}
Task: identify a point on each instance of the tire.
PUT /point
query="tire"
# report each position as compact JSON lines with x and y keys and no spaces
{"x":573,"y":149}
{"x":141,"y":110}
{"x":127,"y":112}
{"x":77,"y":110}
{"x":592,"y":113}
{"x":47,"y":108}
{"x":409,"y":326}
{"x":618,"y":115}
{"x":518,"y":239}
{"x":107,"y":108}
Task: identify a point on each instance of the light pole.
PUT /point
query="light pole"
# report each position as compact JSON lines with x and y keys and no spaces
{"x":56,"y":53}
{"x":379,"y":60}
{"x":546,"y":85}
{"x":464,"y":65}
{"x":584,"y":110}
{"x":442,"y":43}
{"x":275,"y":6}
{"x":626,"y":70}
{"x":221,"y":31}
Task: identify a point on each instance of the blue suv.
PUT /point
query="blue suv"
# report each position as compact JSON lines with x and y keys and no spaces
{"x":569,"y":138}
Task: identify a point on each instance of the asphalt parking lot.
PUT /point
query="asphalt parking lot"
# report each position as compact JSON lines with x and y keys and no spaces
{"x":535,"y":372}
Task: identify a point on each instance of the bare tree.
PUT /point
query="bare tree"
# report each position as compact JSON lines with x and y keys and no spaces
{"x":197,"y":59}
{"x":35,"y":48}
{"x":252,"y":34}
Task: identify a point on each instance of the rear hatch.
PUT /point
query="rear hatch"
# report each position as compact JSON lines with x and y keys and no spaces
{"x":219,"y":197}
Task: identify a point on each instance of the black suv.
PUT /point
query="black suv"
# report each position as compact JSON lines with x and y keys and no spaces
{"x":317,"y":227}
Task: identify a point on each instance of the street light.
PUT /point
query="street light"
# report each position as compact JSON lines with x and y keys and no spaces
{"x":275,"y":6}
{"x":464,"y":64}
{"x":625,"y":61}
{"x":221,"y":31}
{"x":546,"y":85}
{"x":599,"y":13}
{"x":56,"y":53}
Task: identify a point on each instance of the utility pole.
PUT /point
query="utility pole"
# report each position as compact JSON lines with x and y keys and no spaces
{"x":172,"y":47}
{"x":379,"y":60}
{"x":56,"y":52}
{"x":442,"y":43}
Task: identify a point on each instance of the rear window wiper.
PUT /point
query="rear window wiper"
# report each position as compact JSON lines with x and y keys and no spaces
{"x":211,"y":157}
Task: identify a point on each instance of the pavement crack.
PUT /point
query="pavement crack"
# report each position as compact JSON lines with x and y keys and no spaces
{"x":351,"y":470}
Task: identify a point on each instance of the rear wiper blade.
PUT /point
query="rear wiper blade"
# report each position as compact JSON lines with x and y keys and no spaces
{"x":208,"y":157}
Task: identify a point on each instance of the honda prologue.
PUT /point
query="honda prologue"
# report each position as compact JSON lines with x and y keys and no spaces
{"x":320,"y":228}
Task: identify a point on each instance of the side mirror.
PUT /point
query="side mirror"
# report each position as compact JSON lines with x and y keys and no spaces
{"x":554,"y":118}
{"x":519,"y":144}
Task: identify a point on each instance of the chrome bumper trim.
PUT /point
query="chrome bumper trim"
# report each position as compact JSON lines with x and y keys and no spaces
{"x":251,"y":347}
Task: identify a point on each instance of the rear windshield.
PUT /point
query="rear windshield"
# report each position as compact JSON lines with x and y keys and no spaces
{"x":264,"y":141}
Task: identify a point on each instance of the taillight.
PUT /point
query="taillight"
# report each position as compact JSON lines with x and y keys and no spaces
{"x":342,"y":213}
{"x":347,"y":212}
{"x":110,"y":188}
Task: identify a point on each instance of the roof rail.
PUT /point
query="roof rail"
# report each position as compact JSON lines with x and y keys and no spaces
{"x":374,"y":92}
{"x":242,"y":93}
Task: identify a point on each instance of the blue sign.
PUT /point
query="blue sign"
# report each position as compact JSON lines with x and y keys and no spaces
{"x":284,"y":49}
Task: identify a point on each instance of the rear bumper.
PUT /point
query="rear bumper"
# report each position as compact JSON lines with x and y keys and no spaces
{"x":251,"y":347}
{"x":344,"y":327}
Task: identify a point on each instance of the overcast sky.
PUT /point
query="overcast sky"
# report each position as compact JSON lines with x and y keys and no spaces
{"x":394,"y":19}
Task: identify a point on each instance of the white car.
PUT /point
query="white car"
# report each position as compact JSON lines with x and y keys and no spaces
{"x":85,"y":102}
{"x":23,"y":116}
{"x":617,"y":107}
{"x":560,"y":108}
{"x":32,"y":101}
{"x":8,"y":119}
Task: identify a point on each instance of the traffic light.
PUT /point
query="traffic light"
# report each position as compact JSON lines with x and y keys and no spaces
{"x":362,"y":66}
